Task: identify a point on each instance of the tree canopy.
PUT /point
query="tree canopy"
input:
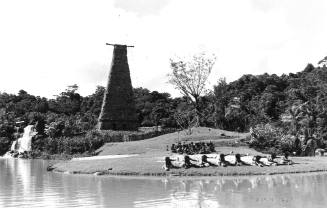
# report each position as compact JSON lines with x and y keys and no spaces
{"x":190,"y":76}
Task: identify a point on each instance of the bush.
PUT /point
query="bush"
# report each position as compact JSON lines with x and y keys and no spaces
{"x":55,"y":129}
{"x":265,"y":137}
{"x":147,"y":123}
{"x":270,"y":139}
{"x":4,"y":145}
{"x":287,"y":144}
{"x":86,"y":143}
{"x":7,"y":130}
{"x":89,"y":142}
{"x":68,"y":126}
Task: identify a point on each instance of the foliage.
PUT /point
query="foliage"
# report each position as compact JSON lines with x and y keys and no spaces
{"x":293,"y":105}
{"x":154,"y":108}
{"x":4,"y":144}
{"x":68,"y":102}
{"x":273,"y":140}
{"x":265,"y":136}
{"x":190,"y":77}
{"x":271,"y":98}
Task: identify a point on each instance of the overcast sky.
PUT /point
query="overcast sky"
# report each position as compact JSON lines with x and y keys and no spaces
{"x":48,"y":45}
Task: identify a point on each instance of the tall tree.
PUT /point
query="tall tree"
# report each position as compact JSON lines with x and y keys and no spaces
{"x":221,"y":102}
{"x":67,"y":102}
{"x":190,"y":76}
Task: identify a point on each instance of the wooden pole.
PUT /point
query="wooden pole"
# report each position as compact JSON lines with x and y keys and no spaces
{"x":119,"y":45}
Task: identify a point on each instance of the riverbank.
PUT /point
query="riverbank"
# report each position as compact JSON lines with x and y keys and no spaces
{"x":151,"y":165}
{"x":148,"y":155}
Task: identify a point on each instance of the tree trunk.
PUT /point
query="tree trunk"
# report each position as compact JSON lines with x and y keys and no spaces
{"x":197,"y":111}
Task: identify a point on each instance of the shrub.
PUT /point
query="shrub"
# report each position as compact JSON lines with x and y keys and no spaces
{"x":147,"y":123}
{"x":89,"y":142}
{"x":4,"y":145}
{"x":270,"y":139}
{"x":265,"y":136}
{"x":7,"y":130}
{"x":54,"y":129}
{"x":287,"y":143}
{"x":70,"y":145}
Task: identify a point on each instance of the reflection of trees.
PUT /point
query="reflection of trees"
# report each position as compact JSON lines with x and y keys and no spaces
{"x":24,"y":178}
{"x":22,"y":182}
{"x":270,"y":191}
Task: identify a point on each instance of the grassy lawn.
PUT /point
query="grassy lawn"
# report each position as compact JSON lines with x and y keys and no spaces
{"x":159,"y":144}
{"x":150,"y":154}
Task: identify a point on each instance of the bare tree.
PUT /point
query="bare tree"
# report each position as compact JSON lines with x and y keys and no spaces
{"x":183,"y":120}
{"x":190,"y":76}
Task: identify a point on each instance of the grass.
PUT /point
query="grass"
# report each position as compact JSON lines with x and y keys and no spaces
{"x":151,"y":152}
{"x":159,"y":144}
{"x":149,"y":166}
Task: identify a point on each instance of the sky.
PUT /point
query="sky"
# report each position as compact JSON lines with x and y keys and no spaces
{"x":46,"y":45}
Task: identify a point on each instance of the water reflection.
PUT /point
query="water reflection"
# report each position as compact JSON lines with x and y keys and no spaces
{"x":25,"y":183}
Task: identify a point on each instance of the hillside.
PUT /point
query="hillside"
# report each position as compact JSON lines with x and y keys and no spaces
{"x":151,"y":152}
{"x":159,"y":144}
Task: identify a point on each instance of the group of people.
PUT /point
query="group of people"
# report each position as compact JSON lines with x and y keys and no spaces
{"x":225,"y":160}
{"x":193,"y":148}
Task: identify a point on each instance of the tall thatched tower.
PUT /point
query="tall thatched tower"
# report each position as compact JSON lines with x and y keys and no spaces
{"x":118,"y":107}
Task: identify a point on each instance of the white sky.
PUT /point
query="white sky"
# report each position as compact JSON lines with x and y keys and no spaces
{"x":47,"y":45}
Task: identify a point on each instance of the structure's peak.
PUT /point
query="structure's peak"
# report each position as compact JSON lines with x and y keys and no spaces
{"x":119,"y":45}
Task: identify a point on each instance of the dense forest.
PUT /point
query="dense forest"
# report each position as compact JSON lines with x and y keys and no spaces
{"x":295,"y":101}
{"x":291,"y":104}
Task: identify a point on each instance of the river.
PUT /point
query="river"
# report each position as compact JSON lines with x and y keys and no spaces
{"x":26,"y":183}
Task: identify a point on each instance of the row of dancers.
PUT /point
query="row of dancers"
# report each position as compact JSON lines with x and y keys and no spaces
{"x":225,"y":160}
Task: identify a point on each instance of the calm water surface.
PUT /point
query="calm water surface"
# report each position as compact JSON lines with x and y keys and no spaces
{"x":26,"y":183}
